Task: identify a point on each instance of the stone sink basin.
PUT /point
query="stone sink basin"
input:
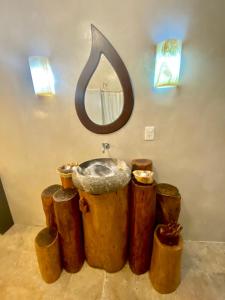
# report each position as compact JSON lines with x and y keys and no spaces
{"x":102,"y":175}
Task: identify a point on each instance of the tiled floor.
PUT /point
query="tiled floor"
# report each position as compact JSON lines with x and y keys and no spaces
{"x":203,"y":275}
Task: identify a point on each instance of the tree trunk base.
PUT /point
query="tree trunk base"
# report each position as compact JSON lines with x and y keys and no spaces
{"x":105,"y":219}
{"x":48,"y":254}
{"x":165,"y":270}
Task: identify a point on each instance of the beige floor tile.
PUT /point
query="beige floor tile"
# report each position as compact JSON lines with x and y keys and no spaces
{"x":203,"y":275}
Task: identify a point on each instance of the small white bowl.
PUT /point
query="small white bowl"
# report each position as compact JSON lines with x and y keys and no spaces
{"x":142,"y":176}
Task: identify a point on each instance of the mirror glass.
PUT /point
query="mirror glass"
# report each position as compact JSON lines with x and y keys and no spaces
{"x":104,"y":97}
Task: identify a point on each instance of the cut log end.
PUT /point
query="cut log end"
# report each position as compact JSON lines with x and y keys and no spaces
{"x":50,"y":190}
{"x":141,"y":164}
{"x":46,"y":237}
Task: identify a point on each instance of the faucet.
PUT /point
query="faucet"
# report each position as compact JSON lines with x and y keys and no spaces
{"x":105,"y":146}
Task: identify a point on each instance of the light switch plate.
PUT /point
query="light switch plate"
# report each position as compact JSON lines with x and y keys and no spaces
{"x":149,"y":133}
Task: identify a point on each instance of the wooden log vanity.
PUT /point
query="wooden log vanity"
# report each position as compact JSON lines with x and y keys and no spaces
{"x":109,"y":220}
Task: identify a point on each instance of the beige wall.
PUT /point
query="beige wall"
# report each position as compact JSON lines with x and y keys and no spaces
{"x":37,"y":135}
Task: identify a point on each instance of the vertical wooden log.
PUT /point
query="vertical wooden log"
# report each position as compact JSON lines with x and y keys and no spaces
{"x":65,"y":173}
{"x":168,"y":203}
{"x":141,"y":164}
{"x":142,"y":222}
{"x":48,"y":254}
{"x":165,"y":270}
{"x":69,"y":224}
{"x":67,"y":182}
{"x":47,"y":203}
{"x":105,"y":219}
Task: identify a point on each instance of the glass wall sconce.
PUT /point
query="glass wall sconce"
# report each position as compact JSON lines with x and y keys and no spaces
{"x":167,"y":66}
{"x":42,"y":76}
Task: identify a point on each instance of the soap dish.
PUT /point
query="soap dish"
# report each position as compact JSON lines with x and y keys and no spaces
{"x":143,"y":176}
{"x":67,"y":169}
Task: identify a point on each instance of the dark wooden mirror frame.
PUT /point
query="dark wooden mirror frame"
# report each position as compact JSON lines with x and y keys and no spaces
{"x":100,"y":45}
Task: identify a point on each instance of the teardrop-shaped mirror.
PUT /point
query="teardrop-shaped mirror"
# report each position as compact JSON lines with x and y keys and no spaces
{"x":104,"y":94}
{"x":104,"y":97}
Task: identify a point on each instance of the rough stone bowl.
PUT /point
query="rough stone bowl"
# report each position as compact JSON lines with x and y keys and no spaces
{"x":102,"y":175}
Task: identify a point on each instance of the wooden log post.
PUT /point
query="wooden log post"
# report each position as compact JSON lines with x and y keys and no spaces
{"x":168,"y":203}
{"x":65,"y":173}
{"x":141,"y":164}
{"x":48,"y":254}
{"x":67,"y":182}
{"x":47,"y":203}
{"x":165,"y":270}
{"x":69,"y":224}
{"x":105,"y":219}
{"x":142,"y":222}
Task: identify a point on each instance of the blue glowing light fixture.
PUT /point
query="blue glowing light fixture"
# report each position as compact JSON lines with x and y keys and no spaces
{"x":42,"y":76}
{"x":167,"y":66}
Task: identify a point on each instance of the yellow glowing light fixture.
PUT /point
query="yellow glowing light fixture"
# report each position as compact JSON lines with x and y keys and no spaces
{"x":42,"y":76}
{"x":167,"y":66}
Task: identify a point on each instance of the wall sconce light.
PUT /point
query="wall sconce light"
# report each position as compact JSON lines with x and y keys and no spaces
{"x":167,"y":66}
{"x":42,"y":76}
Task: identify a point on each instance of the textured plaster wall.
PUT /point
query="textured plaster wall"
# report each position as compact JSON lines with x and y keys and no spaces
{"x":37,"y":135}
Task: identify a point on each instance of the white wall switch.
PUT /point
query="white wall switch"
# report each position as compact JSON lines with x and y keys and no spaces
{"x":149,"y":133}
